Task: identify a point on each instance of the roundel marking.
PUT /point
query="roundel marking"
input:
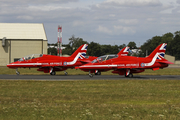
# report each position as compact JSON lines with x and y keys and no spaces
{"x":142,"y":64}
{"x":65,"y":63}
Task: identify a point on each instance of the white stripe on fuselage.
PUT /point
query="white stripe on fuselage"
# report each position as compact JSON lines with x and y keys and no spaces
{"x":21,"y":64}
{"x":99,"y":66}
{"x":146,"y":64}
{"x":77,"y":56}
{"x":75,"y":59}
{"x":153,"y":60}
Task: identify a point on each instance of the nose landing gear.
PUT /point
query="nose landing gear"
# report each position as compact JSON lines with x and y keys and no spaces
{"x":65,"y":73}
{"x":17,"y":72}
{"x":90,"y":75}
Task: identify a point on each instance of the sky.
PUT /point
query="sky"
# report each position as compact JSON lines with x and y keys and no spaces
{"x":113,"y":22}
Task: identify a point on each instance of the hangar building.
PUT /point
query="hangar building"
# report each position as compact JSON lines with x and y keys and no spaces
{"x":21,"y":39}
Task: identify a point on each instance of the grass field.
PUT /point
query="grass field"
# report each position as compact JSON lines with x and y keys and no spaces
{"x":90,"y":100}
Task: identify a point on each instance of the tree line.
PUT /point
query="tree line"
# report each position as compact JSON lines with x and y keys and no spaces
{"x":172,"y":40}
{"x":95,"y":49}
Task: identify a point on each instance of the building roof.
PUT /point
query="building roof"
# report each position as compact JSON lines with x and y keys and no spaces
{"x":22,"y":31}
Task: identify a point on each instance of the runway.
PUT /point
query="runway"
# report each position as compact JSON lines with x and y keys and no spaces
{"x":86,"y":77}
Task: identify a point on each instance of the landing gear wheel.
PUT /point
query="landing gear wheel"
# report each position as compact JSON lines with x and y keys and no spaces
{"x":98,"y":73}
{"x":131,"y":75}
{"x":53,"y":73}
{"x":90,"y":75}
{"x":17,"y":72}
{"x":65,"y":73}
{"x":126,"y":75}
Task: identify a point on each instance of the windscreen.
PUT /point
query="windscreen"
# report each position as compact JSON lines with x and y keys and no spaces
{"x":104,"y":58}
{"x":29,"y":57}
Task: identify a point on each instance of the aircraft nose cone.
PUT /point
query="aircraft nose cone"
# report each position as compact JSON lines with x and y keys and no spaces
{"x":82,"y":67}
{"x":9,"y":65}
{"x":79,"y":67}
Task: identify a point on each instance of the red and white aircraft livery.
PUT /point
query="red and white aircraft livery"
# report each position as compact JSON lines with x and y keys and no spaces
{"x":127,"y":65}
{"x":123,"y":52}
{"x":51,"y":63}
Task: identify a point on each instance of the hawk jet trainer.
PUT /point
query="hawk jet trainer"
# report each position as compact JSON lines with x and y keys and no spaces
{"x":50,"y":63}
{"x":127,"y":65}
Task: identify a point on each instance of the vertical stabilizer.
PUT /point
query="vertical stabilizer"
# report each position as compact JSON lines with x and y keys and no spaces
{"x":80,"y":52}
{"x":161,"y":49}
{"x":124,"y":51}
{"x":158,"y":55}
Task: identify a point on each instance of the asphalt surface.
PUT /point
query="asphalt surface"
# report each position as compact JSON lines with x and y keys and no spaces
{"x":86,"y":77}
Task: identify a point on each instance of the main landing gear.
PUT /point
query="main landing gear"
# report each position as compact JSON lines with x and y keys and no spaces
{"x":17,"y":72}
{"x":130,"y":75}
{"x":97,"y":72}
{"x":53,"y":73}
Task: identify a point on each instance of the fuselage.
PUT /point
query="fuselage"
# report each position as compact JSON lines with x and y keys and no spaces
{"x":52,"y":63}
{"x":123,"y":62}
{"x":46,"y":60}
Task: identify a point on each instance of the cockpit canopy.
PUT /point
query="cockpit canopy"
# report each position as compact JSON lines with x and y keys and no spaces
{"x":29,"y":57}
{"x":104,"y":58}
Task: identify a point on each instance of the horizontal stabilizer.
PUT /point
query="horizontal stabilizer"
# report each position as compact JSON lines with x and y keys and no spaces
{"x":85,"y":61}
{"x":167,"y":62}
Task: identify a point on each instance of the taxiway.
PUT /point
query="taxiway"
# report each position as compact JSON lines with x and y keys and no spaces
{"x":86,"y":77}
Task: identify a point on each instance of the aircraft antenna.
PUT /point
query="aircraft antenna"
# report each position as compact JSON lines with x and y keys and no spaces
{"x":59,"y":44}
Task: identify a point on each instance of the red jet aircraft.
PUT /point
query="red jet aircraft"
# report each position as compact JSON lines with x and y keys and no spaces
{"x":50,"y":63}
{"x":127,"y":65}
{"x":123,"y":52}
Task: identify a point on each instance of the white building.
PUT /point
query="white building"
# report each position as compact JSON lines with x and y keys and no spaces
{"x":21,"y":39}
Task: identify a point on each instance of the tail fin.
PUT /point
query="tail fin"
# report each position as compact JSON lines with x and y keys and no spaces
{"x":82,"y":50}
{"x":124,"y":51}
{"x":158,"y":55}
{"x":161,"y":49}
